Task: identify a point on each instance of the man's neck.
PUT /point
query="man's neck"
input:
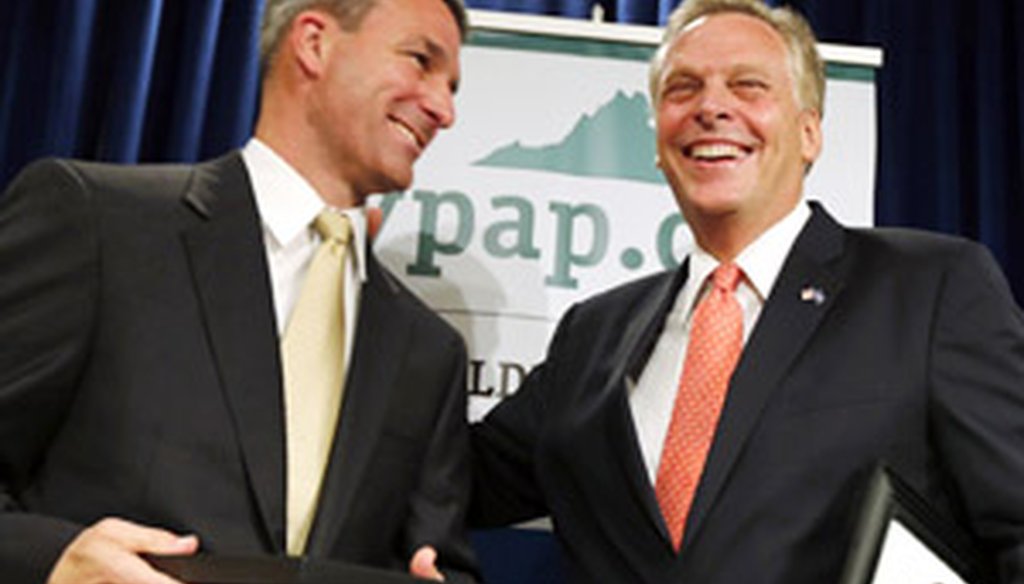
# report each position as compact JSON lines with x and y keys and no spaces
{"x":294,"y":150}
{"x":726,"y":236}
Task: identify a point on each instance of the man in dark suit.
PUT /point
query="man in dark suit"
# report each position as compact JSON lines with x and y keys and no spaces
{"x":846,"y":348}
{"x":142,"y":394}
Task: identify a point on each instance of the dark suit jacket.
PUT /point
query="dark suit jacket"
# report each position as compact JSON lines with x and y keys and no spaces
{"x":140,"y":377}
{"x":915,"y":357}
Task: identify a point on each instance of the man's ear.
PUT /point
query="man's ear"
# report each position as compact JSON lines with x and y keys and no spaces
{"x":309,"y":39}
{"x":810,"y":135}
{"x":374,"y":219}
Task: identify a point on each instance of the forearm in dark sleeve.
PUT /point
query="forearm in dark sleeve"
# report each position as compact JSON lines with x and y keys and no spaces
{"x":504,"y":443}
{"x":47,"y":295}
{"x":977,"y":380}
{"x":439,"y":506}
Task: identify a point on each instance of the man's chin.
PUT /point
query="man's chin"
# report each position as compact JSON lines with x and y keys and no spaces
{"x":392,"y":182}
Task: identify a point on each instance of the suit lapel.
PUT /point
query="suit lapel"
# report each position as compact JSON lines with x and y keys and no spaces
{"x":639,"y":340}
{"x":226,"y":254}
{"x":790,"y":316}
{"x":601,"y":431}
{"x":383,"y":329}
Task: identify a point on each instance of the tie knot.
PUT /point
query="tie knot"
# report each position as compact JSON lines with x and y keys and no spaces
{"x":333,"y":226}
{"x":726,"y":277}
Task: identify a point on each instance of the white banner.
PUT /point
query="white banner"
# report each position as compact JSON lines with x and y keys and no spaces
{"x":545,"y":192}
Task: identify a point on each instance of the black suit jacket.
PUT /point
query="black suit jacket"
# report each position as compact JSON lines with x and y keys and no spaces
{"x":915,"y":357}
{"x":140,"y":378}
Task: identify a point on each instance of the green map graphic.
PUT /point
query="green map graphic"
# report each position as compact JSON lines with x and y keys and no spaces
{"x":616,"y":142}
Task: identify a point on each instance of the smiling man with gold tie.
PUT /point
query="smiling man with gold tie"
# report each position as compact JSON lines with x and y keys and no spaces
{"x":210,"y":358}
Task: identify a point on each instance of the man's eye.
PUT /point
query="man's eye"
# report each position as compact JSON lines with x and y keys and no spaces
{"x":422,"y":59}
{"x":679,"y":89}
{"x":751,"y":84}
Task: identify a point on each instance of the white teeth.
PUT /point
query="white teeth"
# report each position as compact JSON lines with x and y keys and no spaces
{"x":716,"y":151}
{"x":409,"y":133}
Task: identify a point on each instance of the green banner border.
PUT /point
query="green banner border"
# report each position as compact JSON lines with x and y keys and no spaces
{"x":560,"y":45}
{"x":619,"y":50}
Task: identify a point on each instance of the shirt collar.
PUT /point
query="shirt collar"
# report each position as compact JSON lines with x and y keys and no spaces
{"x":762,"y":260}
{"x":288,"y":204}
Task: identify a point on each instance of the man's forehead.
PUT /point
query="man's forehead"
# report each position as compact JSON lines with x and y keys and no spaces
{"x":712,"y":26}
{"x":759,"y":41}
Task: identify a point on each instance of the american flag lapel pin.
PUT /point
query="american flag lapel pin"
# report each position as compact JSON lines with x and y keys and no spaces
{"x":812,"y":294}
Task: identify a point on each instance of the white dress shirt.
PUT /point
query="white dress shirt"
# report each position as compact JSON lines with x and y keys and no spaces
{"x":287,"y":206}
{"x":652,"y":396}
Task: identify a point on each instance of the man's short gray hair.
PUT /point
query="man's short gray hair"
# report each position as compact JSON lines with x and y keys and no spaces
{"x":806,"y":66}
{"x":279,"y":14}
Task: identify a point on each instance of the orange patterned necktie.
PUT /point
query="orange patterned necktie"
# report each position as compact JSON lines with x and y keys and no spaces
{"x":716,"y":339}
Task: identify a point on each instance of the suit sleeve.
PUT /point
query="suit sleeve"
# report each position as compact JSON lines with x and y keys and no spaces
{"x":977,"y":380}
{"x":48,"y":289}
{"x":438,"y":507}
{"x":506,"y":489}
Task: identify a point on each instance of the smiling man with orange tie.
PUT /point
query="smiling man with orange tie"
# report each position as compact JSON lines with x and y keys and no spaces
{"x":719,"y":423}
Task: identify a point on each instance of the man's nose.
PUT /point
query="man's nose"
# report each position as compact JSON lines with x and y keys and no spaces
{"x":714,"y":104}
{"x":440,"y":104}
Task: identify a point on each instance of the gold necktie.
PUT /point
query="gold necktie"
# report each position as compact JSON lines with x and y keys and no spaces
{"x":313,"y":357}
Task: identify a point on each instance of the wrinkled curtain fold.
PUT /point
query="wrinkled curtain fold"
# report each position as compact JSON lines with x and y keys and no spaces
{"x":950,"y":112}
{"x":126,"y":81}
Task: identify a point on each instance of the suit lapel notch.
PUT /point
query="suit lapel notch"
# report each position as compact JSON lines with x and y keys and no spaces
{"x":232,"y":284}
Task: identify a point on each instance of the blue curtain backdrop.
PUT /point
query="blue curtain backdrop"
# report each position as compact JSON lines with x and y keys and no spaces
{"x":176,"y":80}
{"x":951,"y":114}
{"x":125,"y":80}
